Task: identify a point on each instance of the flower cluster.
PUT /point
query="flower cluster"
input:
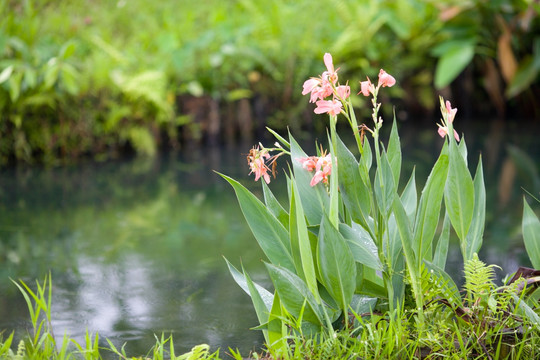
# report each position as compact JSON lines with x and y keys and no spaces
{"x":322,"y":165}
{"x":324,"y":86}
{"x":385,"y":80}
{"x":448,"y":118}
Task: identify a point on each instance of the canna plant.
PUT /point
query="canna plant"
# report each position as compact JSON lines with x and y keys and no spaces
{"x":350,"y":241}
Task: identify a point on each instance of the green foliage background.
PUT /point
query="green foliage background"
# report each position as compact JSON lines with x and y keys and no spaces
{"x":102,"y":77}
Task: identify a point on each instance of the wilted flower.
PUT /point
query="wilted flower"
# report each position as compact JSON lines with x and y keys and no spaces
{"x":256,"y":161}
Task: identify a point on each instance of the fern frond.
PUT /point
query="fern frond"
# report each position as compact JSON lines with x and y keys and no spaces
{"x":479,"y":278}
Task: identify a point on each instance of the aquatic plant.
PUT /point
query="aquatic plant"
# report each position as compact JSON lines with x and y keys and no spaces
{"x":354,"y":241}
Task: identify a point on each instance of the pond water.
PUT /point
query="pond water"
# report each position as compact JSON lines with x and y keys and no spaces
{"x":135,"y":247}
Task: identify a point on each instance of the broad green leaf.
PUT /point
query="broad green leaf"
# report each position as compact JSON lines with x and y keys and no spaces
{"x":15,"y":82}
{"x":274,"y":206}
{"x":361,"y":304}
{"x":441,"y":250}
{"x":300,"y":242}
{"x":314,"y":199}
{"x":293,"y":293}
{"x":526,"y":74}
{"x":394,"y":152}
{"x":395,"y":260}
{"x":452,"y":63}
{"x":6,"y":73}
{"x":365,"y":162}
{"x":277,"y":330}
{"x":528,"y":311}
{"x":259,"y":303}
{"x":463,"y":149}
{"x":459,"y":193}
{"x":427,"y":216}
{"x":409,"y":198}
{"x":272,"y":237}
{"x":336,"y":264}
{"x":354,"y":193}
{"x":531,"y":234}
{"x":51,"y":74}
{"x":266,"y":296}
{"x":70,"y":79}
{"x":384,"y":187}
{"x":361,"y":245}
{"x":473,"y":241}
{"x":405,"y":235}
{"x":371,"y":284}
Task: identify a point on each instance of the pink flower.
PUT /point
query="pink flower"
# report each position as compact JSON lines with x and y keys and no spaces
{"x":343,"y":91}
{"x":330,"y":74}
{"x":310,"y":85}
{"x":386,"y":79}
{"x":450,"y":112}
{"x":332,"y":107}
{"x":309,"y":163}
{"x":443,"y":131}
{"x":323,"y":170}
{"x":256,"y":159}
{"x":366,"y":87}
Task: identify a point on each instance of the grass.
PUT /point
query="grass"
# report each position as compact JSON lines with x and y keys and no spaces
{"x":373,"y":336}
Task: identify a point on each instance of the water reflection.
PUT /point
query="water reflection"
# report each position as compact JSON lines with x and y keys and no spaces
{"x":135,"y":247}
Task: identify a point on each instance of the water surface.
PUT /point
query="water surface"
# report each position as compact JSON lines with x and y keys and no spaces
{"x":135,"y":247}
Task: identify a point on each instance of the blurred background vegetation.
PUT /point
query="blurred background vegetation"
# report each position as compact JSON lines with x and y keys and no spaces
{"x":99,"y":78}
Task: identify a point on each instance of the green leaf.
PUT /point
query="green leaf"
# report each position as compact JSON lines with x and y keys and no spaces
{"x":451,"y":291}
{"x":394,"y":152}
{"x":336,"y":264}
{"x":266,"y":296}
{"x":272,"y":237}
{"x":384,"y":187}
{"x":528,"y":311}
{"x":15,"y":82}
{"x":409,"y":198}
{"x":459,"y":193}
{"x":294,"y":293}
{"x":427,"y":217}
{"x":365,"y":162}
{"x":473,"y":241}
{"x":531,"y":234}
{"x":314,"y":198}
{"x":277,"y":330}
{"x":279,"y":137}
{"x":354,"y":193}
{"x":274,"y":206}
{"x":300,"y":242}
{"x":361,"y":244}
{"x":51,"y":74}
{"x":405,"y":234}
{"x":261,"y":298}
{"x":452,"y":63}
{"x":526,"y":74}
{"x":441,"y":251}
{"x":6,"y":73}
{"x":70,"y":79}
